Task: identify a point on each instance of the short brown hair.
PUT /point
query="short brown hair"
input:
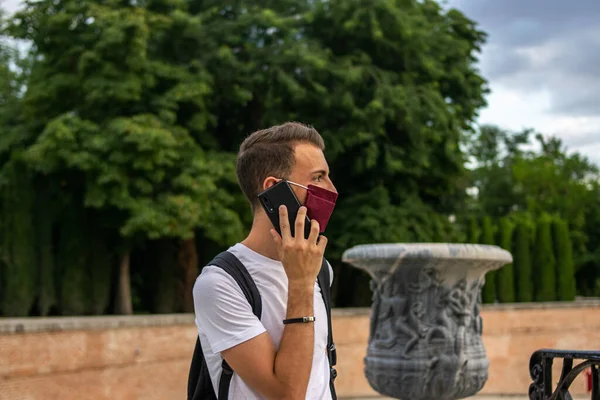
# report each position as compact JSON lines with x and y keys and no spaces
{"x":270,"y":152}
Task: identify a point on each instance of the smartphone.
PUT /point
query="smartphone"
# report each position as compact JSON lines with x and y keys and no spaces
{"x":282,"y":194}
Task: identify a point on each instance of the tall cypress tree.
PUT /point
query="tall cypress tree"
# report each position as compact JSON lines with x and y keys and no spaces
{"x":71,"y":262}
{"x":488,"y":294}
{"x":522,"y":262}
{"x":473,"y":230}
{"x":101,"y":262}
{"x":563,"y":252}
{"x":505,"y":282}
{"x":47,"y":207}
{"x":164,"y":300}
{"x":544,"y":266}
{"x":18,"y":242}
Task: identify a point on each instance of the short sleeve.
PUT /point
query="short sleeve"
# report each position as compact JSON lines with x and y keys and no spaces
{"x":222,"y":311}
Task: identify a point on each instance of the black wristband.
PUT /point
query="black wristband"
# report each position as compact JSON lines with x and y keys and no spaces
{"x":296,"y":320}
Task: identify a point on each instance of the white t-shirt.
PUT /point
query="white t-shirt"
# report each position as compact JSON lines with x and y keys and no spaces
{"x":224,"y":319}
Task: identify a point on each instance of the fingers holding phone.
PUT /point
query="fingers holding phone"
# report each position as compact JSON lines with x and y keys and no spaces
{"x":301,"y":257}
{"x":314,"y":231}
{"x":284,"y":225}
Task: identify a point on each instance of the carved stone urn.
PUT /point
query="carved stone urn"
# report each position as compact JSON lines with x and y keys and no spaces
{"x":425,"y":339}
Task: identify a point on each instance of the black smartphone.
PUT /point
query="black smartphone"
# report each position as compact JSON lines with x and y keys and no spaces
{"x":282,"y":194}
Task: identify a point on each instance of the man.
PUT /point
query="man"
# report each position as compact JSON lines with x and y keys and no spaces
{"x":270,"y":359}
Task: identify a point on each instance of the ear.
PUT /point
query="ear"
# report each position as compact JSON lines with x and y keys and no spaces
{"x":270,"y":181}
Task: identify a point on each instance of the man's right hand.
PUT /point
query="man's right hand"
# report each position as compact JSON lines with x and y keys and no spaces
{"x":301,"y":258}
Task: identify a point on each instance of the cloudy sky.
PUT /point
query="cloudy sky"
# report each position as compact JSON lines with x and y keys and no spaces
{"x":542,"y":62}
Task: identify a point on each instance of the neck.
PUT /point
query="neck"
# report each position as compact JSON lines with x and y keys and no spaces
{"x":260,"y":239}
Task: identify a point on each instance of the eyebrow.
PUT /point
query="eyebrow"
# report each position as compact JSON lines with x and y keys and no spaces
{"x":320,"y":171}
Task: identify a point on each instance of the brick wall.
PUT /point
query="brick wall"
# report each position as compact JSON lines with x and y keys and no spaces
{"x":147,"y":357}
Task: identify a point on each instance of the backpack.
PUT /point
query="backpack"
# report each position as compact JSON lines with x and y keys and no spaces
{"x":199,"y":383}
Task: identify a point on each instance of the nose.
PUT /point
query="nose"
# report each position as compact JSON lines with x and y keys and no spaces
{"x":332,"y":187}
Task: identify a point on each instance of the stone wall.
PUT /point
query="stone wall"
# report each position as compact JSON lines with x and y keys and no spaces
{"x":96,"y":358}
{"x":147,"y":357}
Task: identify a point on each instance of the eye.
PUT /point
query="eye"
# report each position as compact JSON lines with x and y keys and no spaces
{"x":318,"y":178}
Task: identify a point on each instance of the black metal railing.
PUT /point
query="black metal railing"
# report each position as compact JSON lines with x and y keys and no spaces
{"x":540,"y":368}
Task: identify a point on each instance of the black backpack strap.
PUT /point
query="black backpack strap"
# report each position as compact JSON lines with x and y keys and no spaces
{"x":324,"y":280}
{"x":236,"y":269}
{"x":199,"y":384}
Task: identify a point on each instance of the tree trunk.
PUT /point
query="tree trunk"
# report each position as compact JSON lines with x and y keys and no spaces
{"x":123,"y":304}
{"x":188,"y":271}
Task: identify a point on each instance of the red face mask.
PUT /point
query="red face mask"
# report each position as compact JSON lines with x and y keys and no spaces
{"x":319,"y":204}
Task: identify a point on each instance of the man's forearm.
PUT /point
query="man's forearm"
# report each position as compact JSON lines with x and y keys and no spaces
{"x":294,"y":357}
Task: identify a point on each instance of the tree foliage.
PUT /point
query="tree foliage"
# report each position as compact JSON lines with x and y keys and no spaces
{"x":473,"y":230}
{"x":120,"y":139}
{"x":117,"y":133}
{"x":505,"y":280}
{"x":563,"y":254}
{"x":390,"y":85}
{"x":522,"y":261}
{"x":544,"y":267}
{"x":489,"y":291}
{"x":128,"y":115}
{"x":526,"y":175}
{"x":131,"y":114}
{"x":17,"y":250}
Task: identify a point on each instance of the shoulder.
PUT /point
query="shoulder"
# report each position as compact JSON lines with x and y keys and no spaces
{"x":214,"y":282}
{"x":212,"y":275}
{"x":223,"y":314}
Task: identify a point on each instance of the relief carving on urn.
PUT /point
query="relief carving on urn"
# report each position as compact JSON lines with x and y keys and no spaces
{"x":425,"y":338}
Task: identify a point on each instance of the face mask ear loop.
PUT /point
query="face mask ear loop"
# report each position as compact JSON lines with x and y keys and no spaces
{"x":296,"y":184}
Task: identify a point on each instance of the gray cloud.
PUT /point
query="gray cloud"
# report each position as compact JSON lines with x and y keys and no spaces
{"x":500,"y":64}
{"x":532,"y":21}
{"x":550,"y":45}
{"x":582,"y":141}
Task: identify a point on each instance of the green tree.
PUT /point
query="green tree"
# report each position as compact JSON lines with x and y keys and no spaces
{"x":587,"y":266}
{"x":17,"y":268}
{"x":544,"y":270}
{"x":121,"y":137}
{"x":101,"y":262}
{"x":510,"y":179}
{"x":556,"y":183}
{"x":383,"y":127}
{"x":45,"y":219}
{"x":72,"y":262}
{"x":563,"y":253}
{"x":17,"y":249}
{"x":391,"y":86}
{"x":152,"y":94}
{"x":164,"y":297}
{"x":522,"y":261}
{"x":505,"y":281}
{"x":394,"y":116}
{"x":489,"y":292}
{"x":473,"y":230}
{"x":493,"y":151}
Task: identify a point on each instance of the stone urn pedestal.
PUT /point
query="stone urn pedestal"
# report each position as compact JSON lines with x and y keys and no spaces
{"x":425,"y":338}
